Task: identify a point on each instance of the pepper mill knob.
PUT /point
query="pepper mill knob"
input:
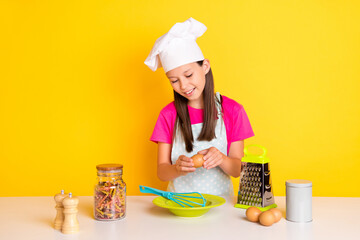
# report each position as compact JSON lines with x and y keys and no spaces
{"x":71,"y":224}
{"x":59,"y":219}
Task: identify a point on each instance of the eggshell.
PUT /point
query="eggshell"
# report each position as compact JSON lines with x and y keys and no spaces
{"x":252,"y":213}
{"x":267,"y":218}
{"x":277,"y":214}
{"x":198,"y":160}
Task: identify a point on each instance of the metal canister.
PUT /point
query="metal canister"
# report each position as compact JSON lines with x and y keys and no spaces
{"x":298,"y":200}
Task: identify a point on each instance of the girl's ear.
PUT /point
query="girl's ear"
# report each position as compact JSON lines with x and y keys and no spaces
{"x":206,"y":66}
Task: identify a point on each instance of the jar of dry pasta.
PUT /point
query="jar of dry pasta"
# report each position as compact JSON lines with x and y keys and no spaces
{"x":110,"y":193}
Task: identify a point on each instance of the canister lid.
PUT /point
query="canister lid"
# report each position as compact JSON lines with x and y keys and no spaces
{"x":298,"y":183}
{"x":109,"y":167}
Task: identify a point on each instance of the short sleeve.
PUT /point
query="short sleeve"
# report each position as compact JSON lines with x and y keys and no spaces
{"x":241,"y":127}
{"x":164,"y":126}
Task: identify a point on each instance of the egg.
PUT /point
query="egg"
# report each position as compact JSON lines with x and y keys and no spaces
{"x":198,"y":160}
{"x":277,"y":214}
{"x":267,"y":218}
{"x":252,"y":213}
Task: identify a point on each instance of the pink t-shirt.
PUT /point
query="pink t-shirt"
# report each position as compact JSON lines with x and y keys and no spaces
{"x":236,"y":122}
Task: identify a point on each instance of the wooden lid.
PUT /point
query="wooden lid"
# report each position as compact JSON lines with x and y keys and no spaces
{"x":109,"y":167}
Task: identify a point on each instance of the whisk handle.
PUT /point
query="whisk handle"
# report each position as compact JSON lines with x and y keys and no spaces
{"x":145,"y":189}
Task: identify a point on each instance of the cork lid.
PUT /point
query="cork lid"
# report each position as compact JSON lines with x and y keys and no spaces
{"x":109,"y":167}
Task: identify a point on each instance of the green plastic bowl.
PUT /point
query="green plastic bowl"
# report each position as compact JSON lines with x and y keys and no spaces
{"x":197,"y":211}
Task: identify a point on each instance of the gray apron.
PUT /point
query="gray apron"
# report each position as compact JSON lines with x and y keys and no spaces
{"x":213,"y":181}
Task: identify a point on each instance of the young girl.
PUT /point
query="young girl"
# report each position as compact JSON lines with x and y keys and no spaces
{"x":198,"y":121}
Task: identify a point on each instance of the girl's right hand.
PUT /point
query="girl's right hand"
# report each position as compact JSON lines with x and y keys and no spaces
{"x":184,"y":165}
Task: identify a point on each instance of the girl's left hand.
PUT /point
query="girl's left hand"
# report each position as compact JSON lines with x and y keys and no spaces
{"x":213,"y":157}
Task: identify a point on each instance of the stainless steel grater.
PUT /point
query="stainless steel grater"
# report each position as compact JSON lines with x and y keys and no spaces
{"x":255,"y":182}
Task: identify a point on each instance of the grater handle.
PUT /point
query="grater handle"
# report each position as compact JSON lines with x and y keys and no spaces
{"x":246,"y":152}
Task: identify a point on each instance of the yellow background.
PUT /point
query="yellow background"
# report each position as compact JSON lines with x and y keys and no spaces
{"x":75,"y":92}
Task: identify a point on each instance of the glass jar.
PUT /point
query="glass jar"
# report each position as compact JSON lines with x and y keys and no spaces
{"x":110,"y":193}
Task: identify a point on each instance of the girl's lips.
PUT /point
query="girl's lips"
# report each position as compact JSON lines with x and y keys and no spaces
{"x":189,"y":93}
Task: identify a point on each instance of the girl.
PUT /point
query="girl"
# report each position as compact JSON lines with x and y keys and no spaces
{"x":198,"y":121}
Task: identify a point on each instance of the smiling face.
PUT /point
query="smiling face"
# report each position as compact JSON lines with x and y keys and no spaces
{"x":189,"y":81}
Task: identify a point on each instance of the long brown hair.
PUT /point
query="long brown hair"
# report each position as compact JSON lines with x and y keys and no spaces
{"x":210,"y":112}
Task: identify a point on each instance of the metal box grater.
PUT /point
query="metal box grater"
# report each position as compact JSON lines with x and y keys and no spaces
{"x":255,"y":182}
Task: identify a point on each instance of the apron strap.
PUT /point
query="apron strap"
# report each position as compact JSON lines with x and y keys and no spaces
{"x":218,"y":104}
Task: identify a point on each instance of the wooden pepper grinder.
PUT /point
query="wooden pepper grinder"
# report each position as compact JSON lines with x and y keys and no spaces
{"x":71,"y":224}
{"x":59,"y":219}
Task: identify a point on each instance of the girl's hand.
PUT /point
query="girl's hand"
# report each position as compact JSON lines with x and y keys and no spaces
{"x":213,"y":157}
{"x":184,"y":165}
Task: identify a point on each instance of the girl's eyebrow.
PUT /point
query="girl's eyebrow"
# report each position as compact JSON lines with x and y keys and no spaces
{"x":183,"y":72}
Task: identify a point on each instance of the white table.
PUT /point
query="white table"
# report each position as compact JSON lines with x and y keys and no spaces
{"x":32,"y":218}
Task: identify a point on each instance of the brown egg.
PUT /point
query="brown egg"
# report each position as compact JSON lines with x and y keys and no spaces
{"x":267,"y":218}
{"x":277,"y":214}
{"x":198,"y":160}
{"x":252,"y":213}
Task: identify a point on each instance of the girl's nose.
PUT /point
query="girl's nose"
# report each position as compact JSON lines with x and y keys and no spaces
{"x":183,"y":84}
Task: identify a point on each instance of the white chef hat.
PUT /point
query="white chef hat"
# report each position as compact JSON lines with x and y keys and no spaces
{"x":177,"y":47}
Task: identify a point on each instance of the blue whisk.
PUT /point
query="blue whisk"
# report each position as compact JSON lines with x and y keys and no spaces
{"x":179,"y":198}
